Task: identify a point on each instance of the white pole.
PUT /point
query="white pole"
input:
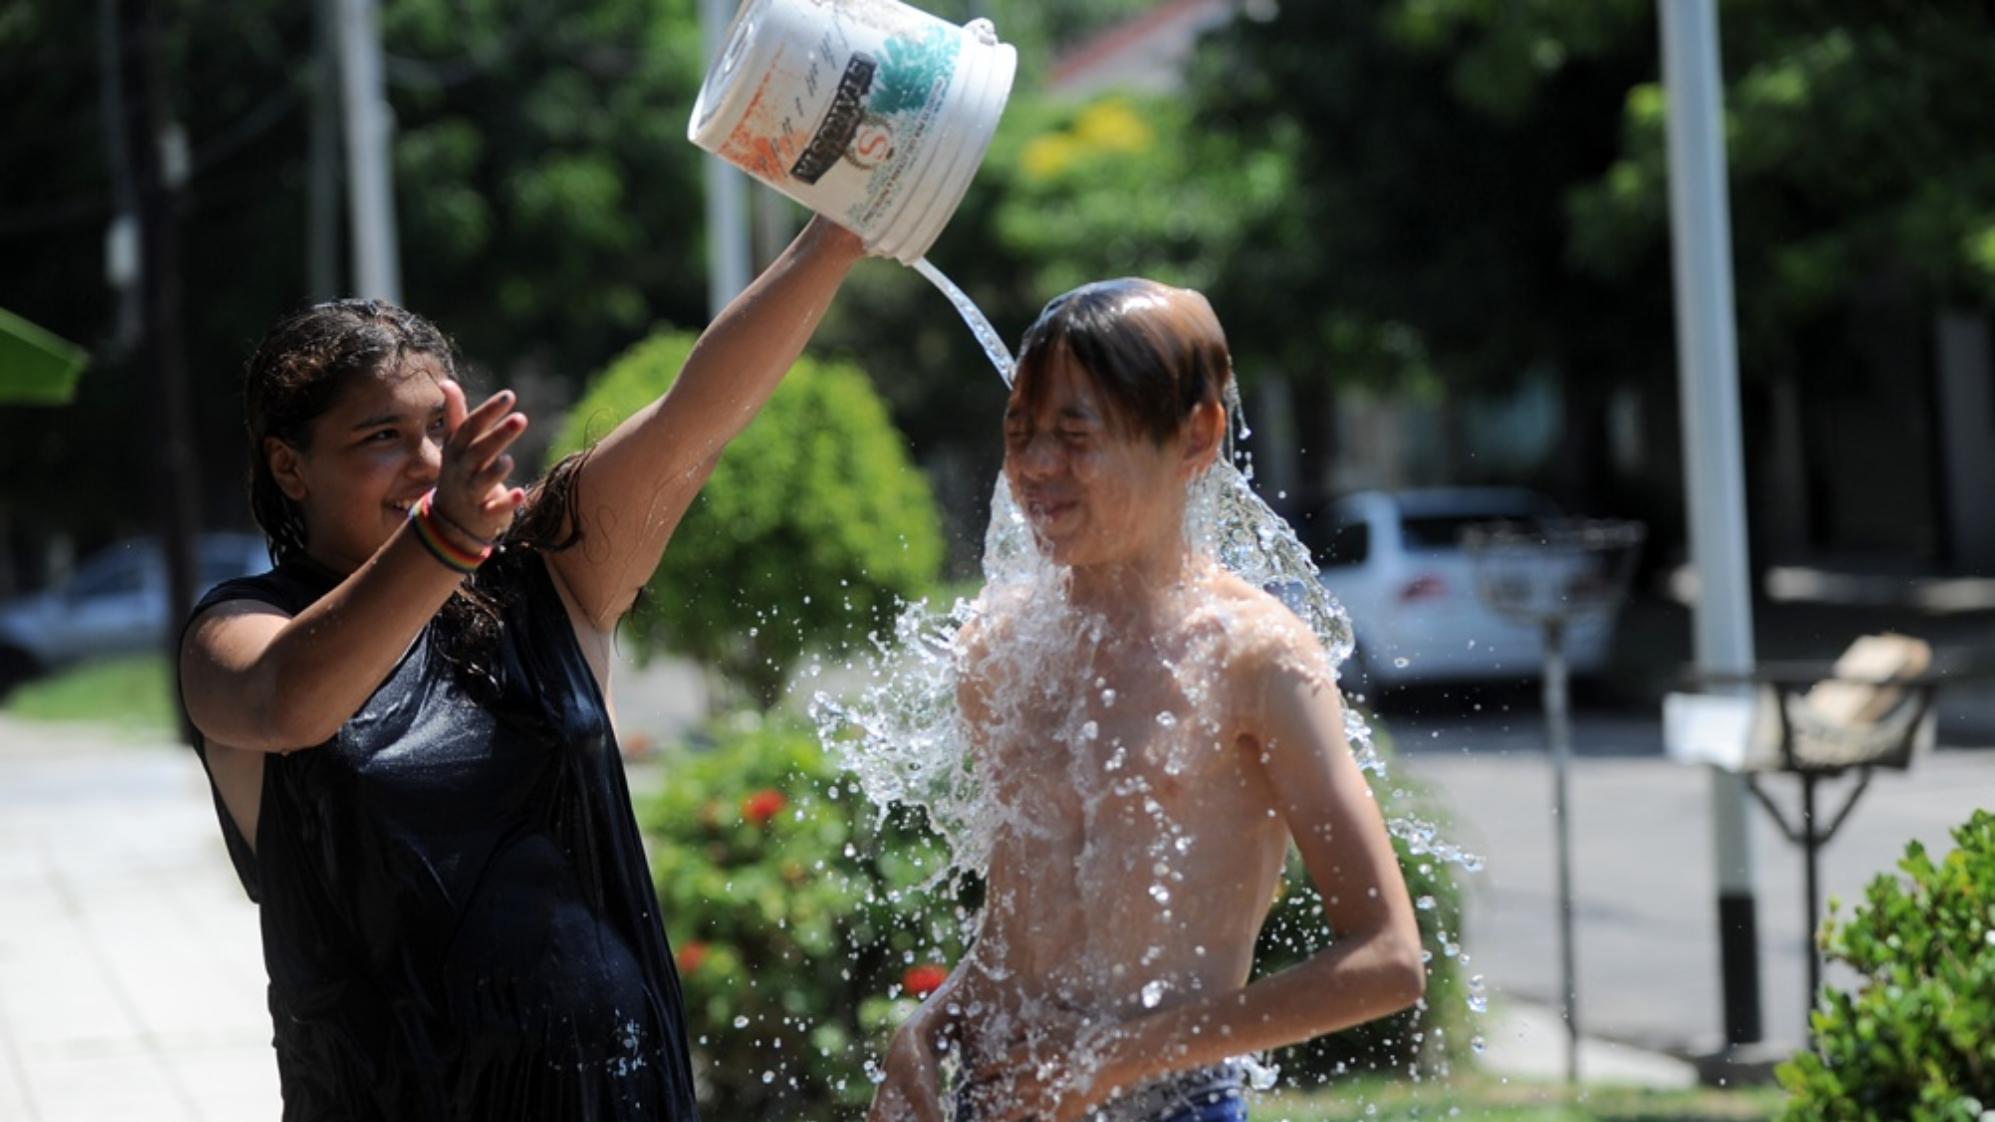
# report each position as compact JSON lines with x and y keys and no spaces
{"x":727,"y":203}
{"x":1714,"y":475}
{"x":370,"y":171}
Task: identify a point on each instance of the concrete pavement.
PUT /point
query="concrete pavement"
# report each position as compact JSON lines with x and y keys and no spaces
{"x":131,"y":970}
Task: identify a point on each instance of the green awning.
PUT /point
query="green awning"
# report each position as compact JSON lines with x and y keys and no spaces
{"x":36,"y":368}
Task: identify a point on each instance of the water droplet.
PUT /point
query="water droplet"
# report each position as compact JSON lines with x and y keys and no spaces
{"x":1402,"y":662}
{"x":1089,"y":731}
{"x":1167,"y":719}
{"x":1153,"y":992}
{"x":741,"y":1022}
{"x":1160,"y":894}
{"x":1425,"y":903}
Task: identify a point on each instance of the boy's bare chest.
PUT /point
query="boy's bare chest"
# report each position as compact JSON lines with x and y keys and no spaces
{"x":1148,"y":733}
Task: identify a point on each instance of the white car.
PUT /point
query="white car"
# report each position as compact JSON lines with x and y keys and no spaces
{"x":1396,"y":561}
{"x":115,"y":603}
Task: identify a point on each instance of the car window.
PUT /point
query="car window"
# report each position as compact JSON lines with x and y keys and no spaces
{"x":215,"y":570}
{"x":228,"y":560}
{"x":1444,"y":531}
{"x":118,"y":576}
{"x":1348,"y":544}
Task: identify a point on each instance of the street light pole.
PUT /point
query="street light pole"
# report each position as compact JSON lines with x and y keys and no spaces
{"x":377,"y":266}
{"x":1714,"y":475}
{"x":727,"y":203}
{"x":151,"y":167}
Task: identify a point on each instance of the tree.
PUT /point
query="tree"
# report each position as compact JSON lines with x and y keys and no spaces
{"x":547,"y":197}
{"x":812,"y":530}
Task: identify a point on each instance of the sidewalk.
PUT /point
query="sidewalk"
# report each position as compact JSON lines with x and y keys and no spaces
{"x":131,"y":971}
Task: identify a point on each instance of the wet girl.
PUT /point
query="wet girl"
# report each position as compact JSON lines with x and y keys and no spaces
{"x":407,"y":723}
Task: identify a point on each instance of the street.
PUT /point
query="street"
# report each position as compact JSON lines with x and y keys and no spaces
{"x":1644,"y":897}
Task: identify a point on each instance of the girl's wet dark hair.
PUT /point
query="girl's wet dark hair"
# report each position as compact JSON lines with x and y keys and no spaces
{"x":1154,"y":352}
{"x":300,"y":370}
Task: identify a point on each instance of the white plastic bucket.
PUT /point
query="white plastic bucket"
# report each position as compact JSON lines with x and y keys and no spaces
{"x":869,"y":112}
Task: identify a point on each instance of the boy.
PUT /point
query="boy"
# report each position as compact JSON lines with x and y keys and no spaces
{"x":1153,"y":733}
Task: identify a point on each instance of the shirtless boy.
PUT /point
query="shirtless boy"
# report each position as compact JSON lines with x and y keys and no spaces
{"x":1153,"y":742}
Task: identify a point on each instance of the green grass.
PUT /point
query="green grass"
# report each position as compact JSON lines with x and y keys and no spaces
{"x":1480,"y":1098}
{"x":134,"y":693}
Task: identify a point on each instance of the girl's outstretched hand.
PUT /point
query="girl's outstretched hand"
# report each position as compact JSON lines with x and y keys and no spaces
{"x":473,"y":496}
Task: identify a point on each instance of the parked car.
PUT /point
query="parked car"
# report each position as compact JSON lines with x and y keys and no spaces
{"x":114,"y":603}
{"x":1396,"y":561}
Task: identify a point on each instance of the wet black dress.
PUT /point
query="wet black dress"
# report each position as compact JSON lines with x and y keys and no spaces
{"x":457,"y":916}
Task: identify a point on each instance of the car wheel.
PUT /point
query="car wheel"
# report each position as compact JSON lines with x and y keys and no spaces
{"x":16,"y":666}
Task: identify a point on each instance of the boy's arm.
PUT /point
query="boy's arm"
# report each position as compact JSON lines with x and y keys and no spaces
{"x":637,"y":483}
{"x":1374,"y":966}
{"x":912,"y":1090}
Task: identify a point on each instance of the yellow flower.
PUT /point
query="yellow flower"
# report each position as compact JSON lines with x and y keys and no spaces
{"x":1112,"y":125}
{"x":1048,"y":155}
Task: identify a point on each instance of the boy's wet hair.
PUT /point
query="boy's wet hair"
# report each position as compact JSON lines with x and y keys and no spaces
{"x":1154,"y":353}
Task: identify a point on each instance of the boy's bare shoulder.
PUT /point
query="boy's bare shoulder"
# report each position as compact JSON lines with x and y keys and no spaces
{"x":1261,"y":634}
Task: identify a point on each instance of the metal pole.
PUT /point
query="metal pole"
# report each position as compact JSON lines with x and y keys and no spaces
{"x":322,"y":269}
{"x":1810,"y":846}
{"x":727,"y":206}
{"x":1559,"y":726}
{"x":155,"y":159}
{"x":1707,"y":354}
{"x":377,"y":266}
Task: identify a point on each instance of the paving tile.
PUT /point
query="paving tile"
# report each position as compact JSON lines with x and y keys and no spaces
{"x":97,"y":1086}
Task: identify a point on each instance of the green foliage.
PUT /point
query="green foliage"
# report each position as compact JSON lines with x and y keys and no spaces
{"x":547,"y":200}
{"x":1127,"y":185}
{"x":1914,"y":1043}
{"x":1424,"y":1040}
{"x":133,"y":693}
{"x":812,"y":529}
{"x":1489,"y":1098}
{"x":799,"y":920}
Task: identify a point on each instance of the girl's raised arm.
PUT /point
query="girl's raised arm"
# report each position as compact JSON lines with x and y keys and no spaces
{"x":632,"y":490}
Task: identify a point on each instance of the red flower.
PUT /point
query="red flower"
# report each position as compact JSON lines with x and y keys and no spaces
{"x":920,"y":981}
{"x":691,"y":955}
{"x":763,"y":805}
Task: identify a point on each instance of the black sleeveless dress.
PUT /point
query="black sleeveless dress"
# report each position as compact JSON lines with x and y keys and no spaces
{"x":458,"y":920}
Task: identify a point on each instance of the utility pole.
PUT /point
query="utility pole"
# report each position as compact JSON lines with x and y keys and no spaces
{"x":153,"y":169}
{"x":727,"y":210}
{"x":1713,"y":463}
{"x":370,"y":169}
{"x":322,"y":271}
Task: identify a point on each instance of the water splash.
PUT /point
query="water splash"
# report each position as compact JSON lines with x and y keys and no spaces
{"x":986,"y":335}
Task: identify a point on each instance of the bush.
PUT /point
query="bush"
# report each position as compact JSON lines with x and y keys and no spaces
{"x":1436,"y":1031}
{"x":801,"y":929}
{"x":1916,"y":1042}
{"x":813,"y":527}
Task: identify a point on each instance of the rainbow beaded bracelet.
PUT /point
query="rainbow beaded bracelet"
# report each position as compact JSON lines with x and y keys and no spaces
{"x":427,"y":525}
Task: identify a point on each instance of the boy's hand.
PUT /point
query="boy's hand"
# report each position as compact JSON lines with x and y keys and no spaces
{"x":911,"y":1092}
{"x":1057,"y":1071}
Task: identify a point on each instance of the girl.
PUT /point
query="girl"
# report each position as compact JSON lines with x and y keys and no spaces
{"x":406,"y":722}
